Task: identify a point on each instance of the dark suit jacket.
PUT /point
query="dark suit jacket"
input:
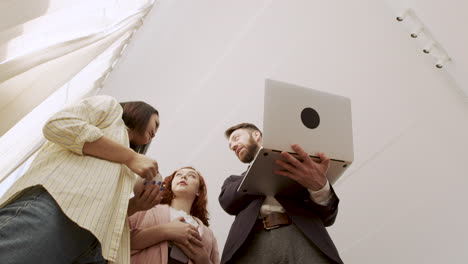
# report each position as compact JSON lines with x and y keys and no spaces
{"x":309,"y":217}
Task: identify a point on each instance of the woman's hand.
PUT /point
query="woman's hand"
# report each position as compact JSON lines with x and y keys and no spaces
{"x":146,"y":196}
{"x":180,"y":232}
{"x":143,"y":166}
{"x":197,"y":253}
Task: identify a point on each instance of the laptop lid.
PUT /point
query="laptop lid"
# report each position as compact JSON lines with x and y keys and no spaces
{"x":316,"y":120}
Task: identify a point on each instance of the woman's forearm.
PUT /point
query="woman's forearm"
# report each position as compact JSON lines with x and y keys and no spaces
{"x":107,"y":149}
{"x":149,"y":237}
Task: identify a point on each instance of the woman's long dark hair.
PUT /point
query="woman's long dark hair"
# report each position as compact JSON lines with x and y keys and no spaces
{"x":199,"y":204}
{"x":136,"y":115}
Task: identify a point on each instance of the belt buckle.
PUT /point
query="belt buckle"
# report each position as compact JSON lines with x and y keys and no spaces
{"x":269,"y":228}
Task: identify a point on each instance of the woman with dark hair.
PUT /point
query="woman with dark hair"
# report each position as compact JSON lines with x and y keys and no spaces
{"x":176,"y":230}
{"x":137,"y":116}
{"x":71,"y":205}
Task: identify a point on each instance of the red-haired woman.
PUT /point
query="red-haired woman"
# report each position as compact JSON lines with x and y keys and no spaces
{"x":176,"y":230}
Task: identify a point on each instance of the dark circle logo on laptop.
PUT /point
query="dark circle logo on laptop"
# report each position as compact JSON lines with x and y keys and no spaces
{"x":310,"y":118}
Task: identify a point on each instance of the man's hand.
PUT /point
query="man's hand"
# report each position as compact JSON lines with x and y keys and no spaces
{"x":143,"y":166}
{"x":308,"y":173}
{"x":145,"y":198}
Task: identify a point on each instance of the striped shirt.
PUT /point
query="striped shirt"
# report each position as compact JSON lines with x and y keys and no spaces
{"x":92,"y":192}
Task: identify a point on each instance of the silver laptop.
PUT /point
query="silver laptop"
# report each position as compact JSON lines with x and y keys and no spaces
{"x":315,"y":120}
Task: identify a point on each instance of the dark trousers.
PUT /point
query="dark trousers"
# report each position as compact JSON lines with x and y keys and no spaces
{"x":33,"y":229}
{"x":284,"y":245}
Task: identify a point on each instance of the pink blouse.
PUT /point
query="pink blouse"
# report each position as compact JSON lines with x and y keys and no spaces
{"x":158,"y":253}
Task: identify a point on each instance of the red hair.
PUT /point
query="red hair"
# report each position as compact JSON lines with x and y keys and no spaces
{"x":199,"y":204}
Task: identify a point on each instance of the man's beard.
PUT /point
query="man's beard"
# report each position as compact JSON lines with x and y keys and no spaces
{"x":251,"y":148}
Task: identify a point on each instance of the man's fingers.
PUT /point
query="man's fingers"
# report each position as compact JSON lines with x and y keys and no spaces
{"x":321,"y":156}
{"x":326,"y":163}
{"x":324,"y":159}
{"x":305,"y":157}
{"x":291,"y":159}
{"x":287,"y":166}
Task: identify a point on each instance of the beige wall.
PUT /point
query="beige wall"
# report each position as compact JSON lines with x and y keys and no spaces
{"x":203,"y":64}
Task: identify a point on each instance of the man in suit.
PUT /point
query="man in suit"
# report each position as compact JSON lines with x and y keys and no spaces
{"x":286,"y":228}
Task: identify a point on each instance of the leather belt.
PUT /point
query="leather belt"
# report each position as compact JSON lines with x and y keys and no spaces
{"x":272,"y":221}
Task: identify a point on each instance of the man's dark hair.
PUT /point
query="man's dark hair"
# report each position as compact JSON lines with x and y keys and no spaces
{"x":248,"y":126}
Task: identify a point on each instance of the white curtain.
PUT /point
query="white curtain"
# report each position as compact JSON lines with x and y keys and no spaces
{"x":52,"y":53}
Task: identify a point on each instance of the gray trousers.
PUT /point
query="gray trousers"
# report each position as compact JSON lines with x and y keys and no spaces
{"x":285,"y":245}
{"x":33,"y":229}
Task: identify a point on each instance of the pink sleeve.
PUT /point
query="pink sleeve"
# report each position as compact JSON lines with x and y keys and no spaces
{"x":135,"y":224}
{"x":139,"y":222}
{"x":214,"y":256}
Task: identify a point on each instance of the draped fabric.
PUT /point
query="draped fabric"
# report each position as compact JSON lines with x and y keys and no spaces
{"x":53,"y":53}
